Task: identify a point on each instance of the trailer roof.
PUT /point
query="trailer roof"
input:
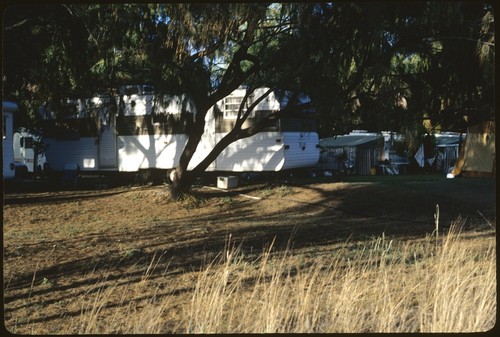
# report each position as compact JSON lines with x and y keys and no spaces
{"x":8,"y":106}
{"x":448,"y":139}
{"x":351,"y":140}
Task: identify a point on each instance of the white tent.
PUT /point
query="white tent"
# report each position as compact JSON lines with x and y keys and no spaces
{"x":477,"y":156}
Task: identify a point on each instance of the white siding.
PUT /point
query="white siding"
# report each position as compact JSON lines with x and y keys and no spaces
{"x":265,"y":151}
{"x":137,"y":105}
{"x":302,"y":150}
{"x":206,"y":144}
{"x":148,"y":151}
{"x":261,"y":152}
{"x":270,"y":103}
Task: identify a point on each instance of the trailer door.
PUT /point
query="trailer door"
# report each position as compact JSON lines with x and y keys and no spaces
{"x":107,"y":148}
{"x":27,"y":152}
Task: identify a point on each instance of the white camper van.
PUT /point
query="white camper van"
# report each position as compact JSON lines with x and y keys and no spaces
{"x":8,"y":109}
{"x":140,"y":131}
{"x":24,"y":144}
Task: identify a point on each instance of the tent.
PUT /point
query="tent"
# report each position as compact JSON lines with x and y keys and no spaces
{"x":477,"y":156}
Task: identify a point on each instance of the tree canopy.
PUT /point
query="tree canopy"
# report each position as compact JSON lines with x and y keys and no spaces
{"x":367,"y":65}
{"x":376,"y":66}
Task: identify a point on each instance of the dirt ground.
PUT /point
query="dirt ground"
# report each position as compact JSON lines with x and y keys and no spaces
{"x":61,"y":246}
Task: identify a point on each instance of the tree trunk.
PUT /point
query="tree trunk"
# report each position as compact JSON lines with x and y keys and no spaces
{"x":234,"y":76}
{"x":181,"y":182}
{"x":182,"y":178}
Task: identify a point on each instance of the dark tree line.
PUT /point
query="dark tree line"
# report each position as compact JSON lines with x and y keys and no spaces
{"x":365,"y":65}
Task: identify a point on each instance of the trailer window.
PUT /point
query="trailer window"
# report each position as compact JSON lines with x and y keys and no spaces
{"x":148,"y":90}
{"x":133,"y":90}
{"x":297,"y":125}
{"x":231,"y":107}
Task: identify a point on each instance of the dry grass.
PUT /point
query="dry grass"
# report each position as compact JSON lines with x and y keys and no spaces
{"x":445,"y":284}
{"x":126,"y":260}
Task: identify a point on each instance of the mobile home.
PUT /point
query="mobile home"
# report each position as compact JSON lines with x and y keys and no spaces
{"x":140,"y":130}
{"x":8,"y":109}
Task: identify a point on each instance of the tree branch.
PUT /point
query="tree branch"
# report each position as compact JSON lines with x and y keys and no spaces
{"x":242,"y":118}
{"x":15,"y":25}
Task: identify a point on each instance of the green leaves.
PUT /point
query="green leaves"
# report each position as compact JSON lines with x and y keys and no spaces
{"x":355,"y":59}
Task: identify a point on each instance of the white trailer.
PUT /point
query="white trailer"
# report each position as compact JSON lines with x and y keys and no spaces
{"x":24,"y":144}
{"x":148,"y":133}
{"x":8,"y":109}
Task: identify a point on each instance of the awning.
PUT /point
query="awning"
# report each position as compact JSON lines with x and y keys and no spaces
{"x":349,"y":140}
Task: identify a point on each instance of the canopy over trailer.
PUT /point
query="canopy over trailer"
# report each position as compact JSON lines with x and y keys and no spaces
{"x":361,"y":152}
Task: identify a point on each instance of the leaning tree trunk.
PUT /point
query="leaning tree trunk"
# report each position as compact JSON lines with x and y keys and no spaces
{"x":181,"y":181}
{"x":182,"y":178}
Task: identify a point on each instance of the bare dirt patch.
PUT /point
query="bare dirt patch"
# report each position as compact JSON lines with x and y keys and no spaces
{"x":62,"y":249}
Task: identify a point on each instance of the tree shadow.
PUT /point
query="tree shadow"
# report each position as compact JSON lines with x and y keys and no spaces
{"x":60,"y":197}
{"x":362,"y":212}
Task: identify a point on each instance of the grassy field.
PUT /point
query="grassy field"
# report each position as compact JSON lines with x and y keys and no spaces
{"x":368,"y":254}
{"x":427,"y":285}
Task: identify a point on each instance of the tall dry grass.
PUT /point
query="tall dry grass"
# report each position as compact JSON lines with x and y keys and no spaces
{"x":418,"y":286}
{"x":445,"y":284}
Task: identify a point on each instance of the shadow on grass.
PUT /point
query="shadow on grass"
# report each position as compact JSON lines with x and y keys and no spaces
{"x":365,"y":210}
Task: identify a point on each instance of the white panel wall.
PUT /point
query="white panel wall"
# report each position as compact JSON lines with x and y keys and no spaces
{"x":207,"y":143}
{"x":148,"y":151}
{"x":265,"y":151}
{"x":302,"y":150}
{"x":261,"y":152}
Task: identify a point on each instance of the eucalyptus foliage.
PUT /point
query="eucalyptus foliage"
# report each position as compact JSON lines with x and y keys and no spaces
{"x":370,"y":65}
